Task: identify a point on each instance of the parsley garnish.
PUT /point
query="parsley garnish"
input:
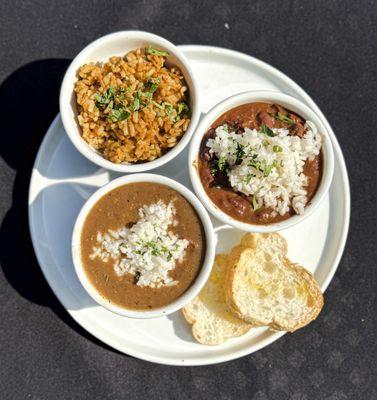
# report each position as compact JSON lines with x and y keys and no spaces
{"x":120,"y":114}
{"x":223,"y":164}
{"x":151,"y":85}
{"x":269,"y":168}
{"x":249,"y":177}
{"x":213,"y":169}
{"x":183,"y":109}
{"x":266,"y":130}
{"x":257,"y":165}
{"x":283,"y":118}
{"x":240,"y":152}
{"x":169,"y":110}
{"x":154,"y":248}
{"x":155,"y":52}
{"x":136,"y":102}
{"x":113,"y":101}
{"x":103,"y":99}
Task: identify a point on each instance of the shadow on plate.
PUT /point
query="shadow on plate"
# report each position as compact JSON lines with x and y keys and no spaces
{"x":181,"y":327}
{"x":28,"y":104}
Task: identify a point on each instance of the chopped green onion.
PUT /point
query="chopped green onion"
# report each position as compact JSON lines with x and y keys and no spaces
{"x":268,"y":169}
{"x":277,"y":149}
{"x":266,"y":130}
{"x":255,"y":203}
{"x":283,"y":118}
{"x":152,"y":84}
{"x":183,"y":108}
{"x":161,"y":107}
{"x":213,"y":169}
{"x":249,"y":177}
{"x":155,"y":52}
{"x":223,"y":164}
{"x":169,"y":110}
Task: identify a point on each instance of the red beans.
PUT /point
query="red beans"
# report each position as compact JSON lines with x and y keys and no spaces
{"x":240,"y":205}
{"x":206,"y":176}
{"x":266,"y":119}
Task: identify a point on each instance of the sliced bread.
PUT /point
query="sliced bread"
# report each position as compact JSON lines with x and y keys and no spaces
{"x":264,"y":288}
{"x":211,"y":321}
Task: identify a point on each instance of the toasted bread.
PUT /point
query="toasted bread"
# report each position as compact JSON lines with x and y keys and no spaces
{"x":211,"y":321}
{"x":264,"y":288}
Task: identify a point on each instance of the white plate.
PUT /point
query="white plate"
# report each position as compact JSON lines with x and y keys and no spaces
{"x":62,"y":180}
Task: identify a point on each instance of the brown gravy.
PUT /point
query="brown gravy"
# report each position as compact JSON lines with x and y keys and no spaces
{"x":238,"y":205}
{"x":119,"y":208}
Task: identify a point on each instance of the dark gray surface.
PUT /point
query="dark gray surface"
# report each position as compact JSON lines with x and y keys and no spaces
{"x":328,"y":47}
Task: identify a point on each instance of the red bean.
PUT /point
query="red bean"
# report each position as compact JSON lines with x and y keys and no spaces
{"x":206,"y":176}
{"x":267,"y":119}
{"x":240,"y":205}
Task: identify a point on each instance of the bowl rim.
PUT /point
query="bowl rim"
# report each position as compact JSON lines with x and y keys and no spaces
{"x":74,"y":132}
{"x":199,"y":281}
{"x":270,"y":96}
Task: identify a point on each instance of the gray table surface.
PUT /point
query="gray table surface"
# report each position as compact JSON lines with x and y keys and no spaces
{"x":328,"y":47}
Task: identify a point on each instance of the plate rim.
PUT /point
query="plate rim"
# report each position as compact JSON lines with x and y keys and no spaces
{"x":85,"y":323}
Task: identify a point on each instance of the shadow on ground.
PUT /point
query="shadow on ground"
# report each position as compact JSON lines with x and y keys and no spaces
{"x":28,"y":103}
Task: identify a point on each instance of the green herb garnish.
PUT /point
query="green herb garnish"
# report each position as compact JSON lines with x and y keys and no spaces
{"x":182,"y":109}
{"x":268,"y":169}
{"x":240,"y":152}
{"x":249,"y":177}
{"x":283,"y":118}
{"x":151,"y":85}
{"x":257,"y":165}
{"x":255,"y":203}
{"x":118,"y":115}
{"x":223,"y":164}
{"x":266,"y":130}
{"x":161,"y":107}
{"x":154,"y":248}
{"x":104,"y":99}
{"x":155,"y":52}
{"x":277,"y":149}
{"x":213,"y":169}
{"x":135,"y":106}
{"x":169,"y":110}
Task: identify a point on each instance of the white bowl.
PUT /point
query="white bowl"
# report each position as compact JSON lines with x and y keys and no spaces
{"x":118,"y":44}
{"x":270,"y":97}
{"x":200,"y":280}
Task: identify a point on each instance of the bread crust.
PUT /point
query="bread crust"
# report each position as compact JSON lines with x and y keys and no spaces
{"x":223,"y":319}
{"x":253,"y":241}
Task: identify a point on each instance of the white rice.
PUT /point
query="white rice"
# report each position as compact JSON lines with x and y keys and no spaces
{"x":272,"y":167}
{"x":148,"y":250}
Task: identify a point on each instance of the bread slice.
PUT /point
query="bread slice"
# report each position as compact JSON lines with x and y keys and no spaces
{"x":264,"y":288}
{"x":211,"y":321}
